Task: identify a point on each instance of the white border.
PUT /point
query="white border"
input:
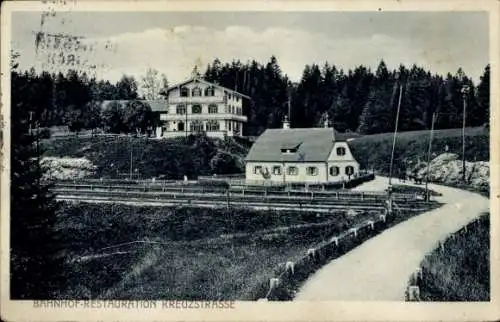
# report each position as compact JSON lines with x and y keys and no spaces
{"x":246,"y":311}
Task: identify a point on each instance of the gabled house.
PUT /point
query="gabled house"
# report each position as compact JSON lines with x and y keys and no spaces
{"x":312,"y":155}
{"x":196,"y":105}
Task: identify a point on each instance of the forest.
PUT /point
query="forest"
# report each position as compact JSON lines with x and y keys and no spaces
{"x":357,"y":100}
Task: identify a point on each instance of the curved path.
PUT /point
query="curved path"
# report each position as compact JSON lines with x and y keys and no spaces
{"x":379,"y":269}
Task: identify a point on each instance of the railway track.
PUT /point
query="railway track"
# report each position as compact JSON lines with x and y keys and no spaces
{"x":271,"y":201}
{"x":249,"y":191}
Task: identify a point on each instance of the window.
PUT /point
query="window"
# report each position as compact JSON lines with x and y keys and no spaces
{"x":196,"y":109}
{"x":257,"y":169}
{"x":212,"y":125}
{"x":349,"y":170}
{"x":196,"y":126}
{"x":334,"y":171}
{"x":229,"y":125}
{"x":232,"y":109}
{"x":237,"y":127}
{"x":293,"y":171}
{"x":238,"y":110}
{"x":184,"y":92}
{"x":181,"y":109}
{"x":212,"y":109}
{"x":180,"y":126}
{"x":209,"y":91}
{"x":312,"y":171}
{"x":237,"y":98}
{"x":229,"y":96}
{"x":277,"y":170}
{"x":340,"y":151}
{"x":196,"y":91}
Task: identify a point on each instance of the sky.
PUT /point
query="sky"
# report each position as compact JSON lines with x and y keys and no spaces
{"x":173,"y":42}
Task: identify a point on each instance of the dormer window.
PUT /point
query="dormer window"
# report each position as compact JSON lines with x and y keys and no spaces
{"x":290,"y":148}
{"x":288,"y":151}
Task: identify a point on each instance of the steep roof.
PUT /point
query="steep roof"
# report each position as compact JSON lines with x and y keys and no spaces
{"x":201,"y":80}
{"x":312,"y":144}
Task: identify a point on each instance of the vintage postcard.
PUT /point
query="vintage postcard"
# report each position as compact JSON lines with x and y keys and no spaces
{"x":250,"y":161}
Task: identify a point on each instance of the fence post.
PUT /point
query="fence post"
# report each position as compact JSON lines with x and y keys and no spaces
{"x":335,"y":240}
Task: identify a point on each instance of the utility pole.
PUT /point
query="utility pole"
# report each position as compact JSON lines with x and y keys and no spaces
{"x":186,"y":125}
{"x":395,"y":133}
{"x":429,"y":157}
{"x":130,"y":160}
{"x":465,"y":92}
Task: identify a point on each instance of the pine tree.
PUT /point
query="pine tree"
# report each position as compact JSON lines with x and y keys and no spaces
{"x":483,"y":96}
{"x":35,"y":266}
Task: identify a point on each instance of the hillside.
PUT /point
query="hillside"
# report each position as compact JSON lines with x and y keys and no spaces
{"x":374,"y":151}
{"x":462,"y":272}
{"x":200,"y":155}
{"x":172,"y":159}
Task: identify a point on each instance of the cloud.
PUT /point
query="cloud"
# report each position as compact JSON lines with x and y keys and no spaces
{"x":175,"y":50}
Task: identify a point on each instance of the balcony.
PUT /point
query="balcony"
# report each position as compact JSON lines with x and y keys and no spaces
{"x":197,"y":100}
{"x":204,"y":116}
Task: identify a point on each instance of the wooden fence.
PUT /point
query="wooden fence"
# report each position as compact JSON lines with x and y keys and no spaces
{"x":290,"y":275}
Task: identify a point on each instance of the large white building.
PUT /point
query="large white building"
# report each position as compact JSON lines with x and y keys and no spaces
{"x":196,"y":105}
{"x":308,"y":155}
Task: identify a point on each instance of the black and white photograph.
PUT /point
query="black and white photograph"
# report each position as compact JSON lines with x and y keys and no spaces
{"x":175,"y":159}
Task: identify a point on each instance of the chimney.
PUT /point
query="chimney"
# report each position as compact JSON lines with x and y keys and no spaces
{"x":286,"y":123}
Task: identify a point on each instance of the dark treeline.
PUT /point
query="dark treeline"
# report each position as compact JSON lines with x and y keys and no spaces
{"x":75,"y":100}
{"x":60,"y":98}
{"x":358,"y":100}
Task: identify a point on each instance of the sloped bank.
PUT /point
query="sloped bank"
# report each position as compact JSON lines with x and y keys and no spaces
{"x":458,"y":269}
{"x":289,"y":276}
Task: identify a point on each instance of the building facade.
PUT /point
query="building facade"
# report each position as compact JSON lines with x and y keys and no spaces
{"x":314,"y":155}
{"x":196,"y":106}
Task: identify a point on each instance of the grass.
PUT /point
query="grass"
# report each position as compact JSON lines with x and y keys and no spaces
{"x":185,"y":258}
{"x":172,"y":158}
{"x":374,"y":151}
{"x":462,"y":271}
